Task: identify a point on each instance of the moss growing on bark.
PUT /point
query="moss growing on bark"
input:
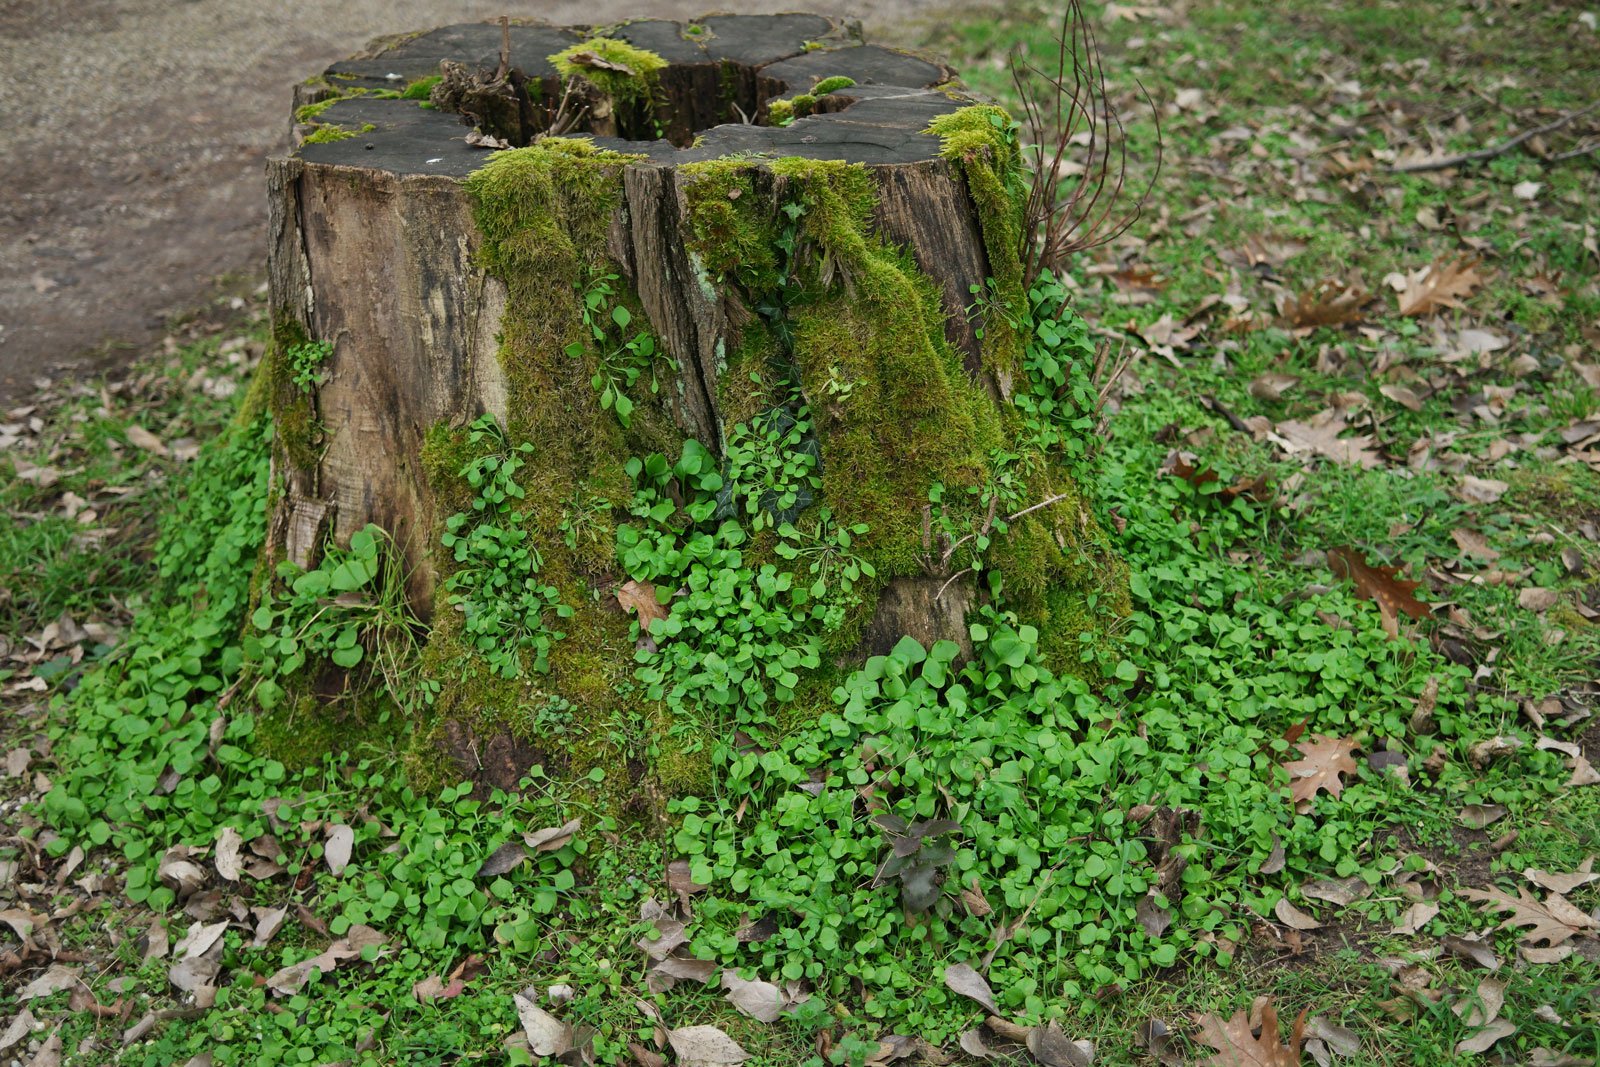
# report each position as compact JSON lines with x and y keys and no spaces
{"x":627,"y":75}
{"x":294,"y":409}
{"x":544,"y":213}
{"x":981,"y":141}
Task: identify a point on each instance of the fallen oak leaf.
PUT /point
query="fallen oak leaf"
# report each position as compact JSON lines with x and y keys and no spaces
{"x":1329,"y":304}
{"x":340,"y":844}
{"x":1484,"y":1039}
{"x":1320,"y":435}
{"x":20,"y":1027}
{"x":502,"y":860}
{"x":640,"y":598}
{"x":1416,"y":917}
{"x":1486,"y":1009}
{"x":1325,"y":760}
{"x":1053,"y":1048}
{"x":53,"y":980}
{"x":1293,"y":917}
{"x":1554,"y":921}
{"x":1340,"y":891}
{"x":1238,"y":1046}
{"x":547,"y":1035}
{"x":1395,"y":596}
{"x":762,"y":1001}
{"x":1563,"y":883}
{"x":1470,"y":947}
{"x":228,"y":862}
{"x":1443,"y":283}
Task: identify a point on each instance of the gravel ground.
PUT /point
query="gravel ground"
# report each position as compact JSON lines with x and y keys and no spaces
{"x":134,"y":136}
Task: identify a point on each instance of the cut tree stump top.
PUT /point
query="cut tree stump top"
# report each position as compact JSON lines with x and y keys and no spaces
{"x":746,"y":61}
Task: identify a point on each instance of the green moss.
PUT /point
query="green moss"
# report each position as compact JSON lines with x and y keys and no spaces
{"x":306,"y":725}
{"x":780,"y":112}
{"x":313,"y":112}
{"x":731,"y":225}
{"x":828,"y":85}
{"x":895,"y":412}
{"x":544,"y":213}
{"x":296,"y":428}
{"x":981,"y":141}
{"x":637,"y":82}
{"x":325,"y":134}
{"x":421,"y":88}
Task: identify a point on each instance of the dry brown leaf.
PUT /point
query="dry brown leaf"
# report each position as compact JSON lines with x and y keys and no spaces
{"x":503,"y":860}
{"x":640,"y":598}
{"x":1272,"y":385}
{"x":341,"y":842}
{"x":1443,"y":283}
{"x":1470,"y":947}
{"x":1324,"y":760}
{"x":1329,"y":304}
{"x":1563,"y":883}
{"x":1293,"y":917}
{"x":1474,"y":544}
{"x":595,"y":61}
{"x":1481,"y":1041}
{"x":1537,"y":600}
{"x":1238,"y":1046}
{"x":762,"y":1001}
{"x":1416,"y":917}
{"x":49,"y":1054}
{"x":1478,"y":816}
{"x":229,"y":866}
{"x":554,"y":837}
{"x":1486,"y":1009}
{"x":547,"y":1035}
{"x":1340,"y":891}
{"x":1320,"y":435}
{"x":140,"y":437}
{"x":1484,"y":752}
{"x":705,"y":1046}
{"x":1553,"y":921}
{"x":1482,"y":490}
{"x":22,"y":1026}
{"x":288,"y":980}
{"x":1395,"y":596}
{"x":961,"y":978}
{"x":1402,"y":396}
{"x":53,"y":980}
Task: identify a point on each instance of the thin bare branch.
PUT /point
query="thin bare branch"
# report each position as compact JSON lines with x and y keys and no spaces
{"x":1495,"y":150}
{"x":1068,"y":114}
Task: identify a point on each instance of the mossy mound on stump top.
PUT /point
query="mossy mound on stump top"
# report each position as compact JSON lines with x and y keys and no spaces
{"x":678,"y":416}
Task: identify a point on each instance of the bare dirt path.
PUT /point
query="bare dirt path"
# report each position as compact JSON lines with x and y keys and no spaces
{"x":132,"y":141}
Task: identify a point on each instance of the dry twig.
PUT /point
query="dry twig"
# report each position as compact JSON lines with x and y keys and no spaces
{"x":1073,"y":102}
{"x":1500,"y":149}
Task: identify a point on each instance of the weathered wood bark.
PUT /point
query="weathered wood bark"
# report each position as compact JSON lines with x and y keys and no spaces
{"x":373,"y":240}
{"x":379,"y":247}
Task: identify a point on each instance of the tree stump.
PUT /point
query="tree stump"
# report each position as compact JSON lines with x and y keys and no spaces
{"x":817,"y":239}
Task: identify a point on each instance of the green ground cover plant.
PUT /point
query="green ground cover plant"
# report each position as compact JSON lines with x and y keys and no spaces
{"x":1286,"y":773}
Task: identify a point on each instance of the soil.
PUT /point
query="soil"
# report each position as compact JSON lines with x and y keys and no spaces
{"x":136,"y":130}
